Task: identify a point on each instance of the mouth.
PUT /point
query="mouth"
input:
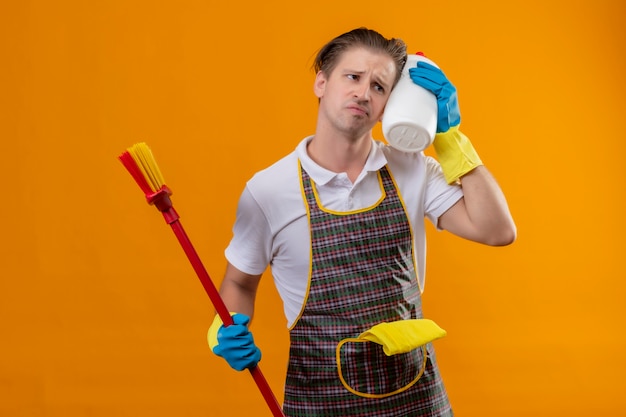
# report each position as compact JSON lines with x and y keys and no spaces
{"x":358,"y":110}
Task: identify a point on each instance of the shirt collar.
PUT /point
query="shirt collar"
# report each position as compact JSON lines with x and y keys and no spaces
{"x":321,"y":176}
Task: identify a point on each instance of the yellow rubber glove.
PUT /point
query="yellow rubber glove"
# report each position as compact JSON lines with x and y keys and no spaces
{"x":215,"y":327}
{"x":404,"y":335}
{"x":455,"y":153}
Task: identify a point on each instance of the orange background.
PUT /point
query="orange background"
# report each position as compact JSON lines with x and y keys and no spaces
{"x":100,"y":312}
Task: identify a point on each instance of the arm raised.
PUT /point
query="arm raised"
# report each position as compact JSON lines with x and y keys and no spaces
{"x":482,"y":215}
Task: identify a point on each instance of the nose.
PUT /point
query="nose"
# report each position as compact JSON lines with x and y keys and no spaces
{"x":362,"y":91}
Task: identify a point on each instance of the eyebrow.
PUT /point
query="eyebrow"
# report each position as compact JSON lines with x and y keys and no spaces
{"x":376,"y":78}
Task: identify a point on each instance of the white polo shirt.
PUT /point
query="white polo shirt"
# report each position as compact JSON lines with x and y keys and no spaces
{"x":272,"y":228}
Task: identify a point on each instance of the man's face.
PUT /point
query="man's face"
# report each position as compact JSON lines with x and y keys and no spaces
{"x":353,"y":96}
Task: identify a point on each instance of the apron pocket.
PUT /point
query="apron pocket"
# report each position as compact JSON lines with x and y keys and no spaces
{"x":365,"y":370}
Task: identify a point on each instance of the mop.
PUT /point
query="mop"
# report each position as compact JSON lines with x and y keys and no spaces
{"x":141,"y":165}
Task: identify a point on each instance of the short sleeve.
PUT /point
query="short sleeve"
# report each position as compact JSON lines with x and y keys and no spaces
{"x":440,"y":195}
{"x":250,"y":247}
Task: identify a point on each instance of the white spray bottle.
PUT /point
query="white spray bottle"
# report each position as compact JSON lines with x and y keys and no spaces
{"x":409,"y":122}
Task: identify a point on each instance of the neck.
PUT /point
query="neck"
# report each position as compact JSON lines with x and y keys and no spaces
{"x":340,"y":154}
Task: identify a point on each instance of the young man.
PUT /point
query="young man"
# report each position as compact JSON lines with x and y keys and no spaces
{"x":341,"y":222}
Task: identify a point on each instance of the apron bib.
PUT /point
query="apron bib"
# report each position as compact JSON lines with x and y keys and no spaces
{"x":362,"y":274}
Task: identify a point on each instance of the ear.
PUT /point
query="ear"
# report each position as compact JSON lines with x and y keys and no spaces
{"x":320,"y":84}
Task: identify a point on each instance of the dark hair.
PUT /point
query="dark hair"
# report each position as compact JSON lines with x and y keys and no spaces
{"x":327,"y":57}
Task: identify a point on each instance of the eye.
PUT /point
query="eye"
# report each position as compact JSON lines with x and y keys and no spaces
{"x":353,"y":77}
{"x":379,"y":88}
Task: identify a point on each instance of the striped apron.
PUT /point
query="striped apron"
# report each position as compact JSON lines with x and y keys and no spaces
{"x":362,"y":274}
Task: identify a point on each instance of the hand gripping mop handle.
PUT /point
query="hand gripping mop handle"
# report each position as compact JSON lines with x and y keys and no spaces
{"x":163,"y":203}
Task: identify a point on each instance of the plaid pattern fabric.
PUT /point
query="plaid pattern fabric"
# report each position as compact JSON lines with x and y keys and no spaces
{"x":362,"y":274}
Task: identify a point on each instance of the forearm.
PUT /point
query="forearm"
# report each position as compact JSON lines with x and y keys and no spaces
{"x":238,"y":291}
{"x":487,"y":209}
{"x":235,"y":342}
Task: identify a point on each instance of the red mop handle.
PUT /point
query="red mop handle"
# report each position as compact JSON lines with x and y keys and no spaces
{"x":162,"y":201}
